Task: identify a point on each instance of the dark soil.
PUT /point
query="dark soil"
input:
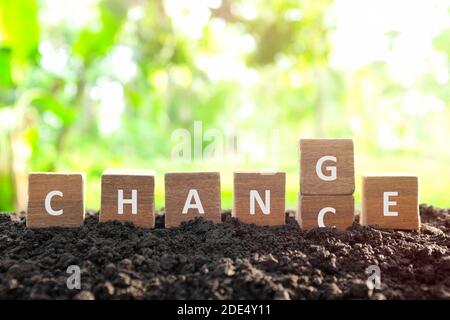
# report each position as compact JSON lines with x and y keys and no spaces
{"x":231,"y":260}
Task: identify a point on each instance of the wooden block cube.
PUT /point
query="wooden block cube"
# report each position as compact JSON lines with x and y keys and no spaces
{"x":128,"y":195}
{"x":390,"y":202}
{"x":55,"y":200}
{"x":326,"y":211}
{"x":327,"y":167}
{"x":190,"y":195}
{"x":259,"y":198}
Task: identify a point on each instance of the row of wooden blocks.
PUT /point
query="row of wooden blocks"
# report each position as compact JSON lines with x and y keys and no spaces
{"x":326,"y":197}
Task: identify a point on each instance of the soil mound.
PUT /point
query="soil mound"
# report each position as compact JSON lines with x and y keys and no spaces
{"x":231,"y":260}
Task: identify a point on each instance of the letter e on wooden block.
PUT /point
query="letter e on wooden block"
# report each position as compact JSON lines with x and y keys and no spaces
{"x":259,"y":198}
{"x":390,"y":202}
{"x":327,"y":167}
{"x":128,"y":195}
{"x":326,"y":211}
{"x":55,"y":200}
{"x":190,"y":195}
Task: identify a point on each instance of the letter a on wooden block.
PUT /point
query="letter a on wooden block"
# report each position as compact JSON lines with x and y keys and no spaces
{"x":190,"y":195}
{"x":55,"y":200}
{"x":259,"y":198}
{"x":326,"y":211}
{"x":390,"y":202}
{"x":128,"y":195}
{"x":327,"y":167}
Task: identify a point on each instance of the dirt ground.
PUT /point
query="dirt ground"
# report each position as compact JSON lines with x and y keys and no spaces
{"x":231,"y":260}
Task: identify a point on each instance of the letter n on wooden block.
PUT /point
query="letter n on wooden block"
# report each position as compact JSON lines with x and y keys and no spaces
{"x":128,"y":195}
{"x":259,"y":198}
{"x":55,"y":200}
{"x":327,"y":166}
{"x":390,"y":202}
{"x":190,"y":195}
{"x":326,"y":211}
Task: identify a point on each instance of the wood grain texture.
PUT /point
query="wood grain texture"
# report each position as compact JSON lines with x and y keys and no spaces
{"x":177,"y":187}
{"x":72,"y":202}
{"x":311,"y":150}
{"x":407,"y":205}
{"x":143,"y":181}
{"x":310,"y":206}
{"x":246,"y":181}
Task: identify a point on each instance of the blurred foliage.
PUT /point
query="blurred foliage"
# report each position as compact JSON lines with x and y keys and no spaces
{"x":87,"y":85}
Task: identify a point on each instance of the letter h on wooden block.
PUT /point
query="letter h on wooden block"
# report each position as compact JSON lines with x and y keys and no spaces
{"x":190,"y":195}
{"x":259,"y":198}
{"x":128,"y":195}
{"x":390,"y":202}
{"x":55,"y":200}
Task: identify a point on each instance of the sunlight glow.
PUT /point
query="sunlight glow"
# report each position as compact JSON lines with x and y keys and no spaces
{"x":8,"y":118}
{"x":398,"y":32}
{"x":123,"y":64}
{"x":111,"y":104}
{"x":226,"y":62}
{"x":77,"y":14}
{"x":188,"y":16}
{"x":53,"y":59}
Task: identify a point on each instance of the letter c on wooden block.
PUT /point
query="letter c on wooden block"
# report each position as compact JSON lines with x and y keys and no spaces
{"x":337,"y":211}
{"x":321,"y":215}
{"x":48,"y":206}
{"x":55,"y":199}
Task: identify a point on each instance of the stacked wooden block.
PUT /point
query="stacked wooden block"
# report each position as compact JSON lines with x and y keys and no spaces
{"x":327,"y":183}
{"x":326,"y":197}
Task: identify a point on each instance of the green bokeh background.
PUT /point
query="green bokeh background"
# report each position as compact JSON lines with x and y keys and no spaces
{"x":93,"y":84}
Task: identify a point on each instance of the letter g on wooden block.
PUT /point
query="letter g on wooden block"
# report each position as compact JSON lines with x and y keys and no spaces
{"x":327,"y":167}
{"x":390,"y":202}
{"x":55,"y":200}
{"x":190,"y":195}
{"x":128,"y":195}
{"x":259,"y":198}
